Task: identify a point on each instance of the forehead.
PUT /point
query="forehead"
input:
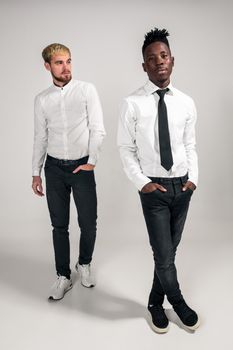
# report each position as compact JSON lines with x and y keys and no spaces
{"x":156,"y":48}
{"x":60,"y":56}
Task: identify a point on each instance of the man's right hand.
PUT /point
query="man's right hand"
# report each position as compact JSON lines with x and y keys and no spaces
{"x":37,"y":186}
{"x":151,"y":186}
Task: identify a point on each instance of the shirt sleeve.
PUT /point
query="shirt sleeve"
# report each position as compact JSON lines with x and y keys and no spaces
{"x":126,"y":140}
{"x":40,"y":138}
{"x":190,"y":144}
{"x":95,"y":124}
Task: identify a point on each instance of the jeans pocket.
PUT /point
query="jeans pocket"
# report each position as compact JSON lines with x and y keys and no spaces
{"x":47,"y":165}
{"x":149,"y":193}
{"x":190,"y":190}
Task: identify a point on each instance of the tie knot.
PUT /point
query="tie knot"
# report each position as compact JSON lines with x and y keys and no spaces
{"x":161,"y":93}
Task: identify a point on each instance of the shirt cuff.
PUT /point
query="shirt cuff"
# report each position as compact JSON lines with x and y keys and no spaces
{"x":92,"y":160}
{"x":36,"y":173}
{"x":193,"y":179}
{"x":141,"y":181}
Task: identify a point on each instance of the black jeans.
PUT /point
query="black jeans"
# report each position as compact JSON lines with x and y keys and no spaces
{"x":59,"y":182}
{"x":165,"y":214}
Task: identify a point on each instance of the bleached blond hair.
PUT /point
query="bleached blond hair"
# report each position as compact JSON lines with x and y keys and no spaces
{"x":51,"y":49}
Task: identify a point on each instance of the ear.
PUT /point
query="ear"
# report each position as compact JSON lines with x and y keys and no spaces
{"x":144,"y":66}
{"x":173,"y":60}
{"x":47,"y":66}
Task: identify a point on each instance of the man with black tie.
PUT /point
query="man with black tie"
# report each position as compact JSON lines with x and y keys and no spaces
{"x":156,"y":138}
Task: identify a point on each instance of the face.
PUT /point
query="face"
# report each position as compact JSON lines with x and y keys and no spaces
{"x":60,"y":68}
{"x":158,"y":63}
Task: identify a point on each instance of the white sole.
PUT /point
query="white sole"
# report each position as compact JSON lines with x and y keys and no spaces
{"x":194,"y":327}
{"x":67,"y":290}
{"x":89,"y":286}
{"x":157,"y":329}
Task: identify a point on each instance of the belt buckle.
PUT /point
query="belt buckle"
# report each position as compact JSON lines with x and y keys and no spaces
{"x":65,"y":162}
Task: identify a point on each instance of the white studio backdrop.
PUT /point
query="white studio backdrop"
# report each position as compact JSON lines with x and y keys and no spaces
{"x":105,"y":39}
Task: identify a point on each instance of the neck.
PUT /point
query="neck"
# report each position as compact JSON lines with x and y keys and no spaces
{"x":60,"y":83}
{"x":161,"y":84}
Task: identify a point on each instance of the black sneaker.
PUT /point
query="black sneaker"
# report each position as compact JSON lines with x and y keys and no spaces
{"x":159,"y":319}
{"x":188,"y":317}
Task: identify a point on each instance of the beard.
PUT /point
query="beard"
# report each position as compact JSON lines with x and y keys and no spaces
{"x":63,"y":79}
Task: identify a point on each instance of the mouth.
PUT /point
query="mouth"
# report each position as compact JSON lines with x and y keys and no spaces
{"x":161,"y":70}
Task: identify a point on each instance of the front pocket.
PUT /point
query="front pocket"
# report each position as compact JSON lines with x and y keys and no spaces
{"x":85,"y":171}
{"x":47,"y":165}
{"x":148,"y":193}
{"x":190,"y":190}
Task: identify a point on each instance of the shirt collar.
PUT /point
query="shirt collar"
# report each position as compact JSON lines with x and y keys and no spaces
{"x":65,"y":87}
{"x":151,"y":88}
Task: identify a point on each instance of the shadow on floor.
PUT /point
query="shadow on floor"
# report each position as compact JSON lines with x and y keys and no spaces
{"x":32,"y":278}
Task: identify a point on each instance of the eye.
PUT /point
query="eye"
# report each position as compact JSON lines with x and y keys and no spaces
{"x":150,"y":59}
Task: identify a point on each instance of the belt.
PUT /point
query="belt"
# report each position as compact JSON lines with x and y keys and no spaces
{"x":167,"y":180}
{"x":67,"y":162}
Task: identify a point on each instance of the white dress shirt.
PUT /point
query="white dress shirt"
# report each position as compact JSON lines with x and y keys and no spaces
{"x":138,"y":138}
{"x":68,"y":124}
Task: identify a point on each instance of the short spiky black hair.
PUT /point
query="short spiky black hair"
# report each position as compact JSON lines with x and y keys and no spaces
{"x":155,"y":35}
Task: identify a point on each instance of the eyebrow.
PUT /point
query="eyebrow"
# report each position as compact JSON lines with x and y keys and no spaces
{"x":153,"y":54}
{"x":59,"y":61}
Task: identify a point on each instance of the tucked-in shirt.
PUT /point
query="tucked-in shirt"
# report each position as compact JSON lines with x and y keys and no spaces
{"x":138,"y":138}
{"x":68,"y":124}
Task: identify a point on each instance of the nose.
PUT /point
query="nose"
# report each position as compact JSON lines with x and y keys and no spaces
{"x":158,"y":61}
{"x":65,"y":66}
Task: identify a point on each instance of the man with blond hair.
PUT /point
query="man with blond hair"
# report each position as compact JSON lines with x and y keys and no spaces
{"x":69,"y":128}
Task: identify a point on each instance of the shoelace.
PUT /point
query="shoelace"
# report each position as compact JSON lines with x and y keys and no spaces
{"x":58,"y":282}
{"x":85,"y":270}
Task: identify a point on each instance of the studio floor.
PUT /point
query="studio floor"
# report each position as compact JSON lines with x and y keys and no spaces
{"x":113,"y":314}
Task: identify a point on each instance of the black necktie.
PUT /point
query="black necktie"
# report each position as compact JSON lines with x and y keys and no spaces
{"x":164,"y":138}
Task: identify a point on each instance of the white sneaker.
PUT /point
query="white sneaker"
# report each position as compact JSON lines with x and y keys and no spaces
{"x":87,"y":279}
{"x":60,"y":287}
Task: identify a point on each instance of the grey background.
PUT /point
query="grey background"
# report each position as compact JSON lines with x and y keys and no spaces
{"x":105,"y":39}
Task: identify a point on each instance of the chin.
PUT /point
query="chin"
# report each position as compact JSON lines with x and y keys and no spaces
{"x":67,"y":79}
{"x":162,"y":76}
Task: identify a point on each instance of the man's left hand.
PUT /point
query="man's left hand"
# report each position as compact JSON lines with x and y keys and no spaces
{"x":85,"y":167}
{"x":190,"y":185}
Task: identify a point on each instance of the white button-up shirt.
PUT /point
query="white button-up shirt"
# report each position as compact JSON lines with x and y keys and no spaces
{"x":68,"y":124}
{"x":138,"y":138}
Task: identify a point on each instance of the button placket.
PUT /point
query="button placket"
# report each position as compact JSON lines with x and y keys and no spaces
{"x":64,"y":120}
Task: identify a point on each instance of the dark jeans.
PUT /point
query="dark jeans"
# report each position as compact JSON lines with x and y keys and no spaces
{"x":59,"y":182}
{"x":165,"y":214}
